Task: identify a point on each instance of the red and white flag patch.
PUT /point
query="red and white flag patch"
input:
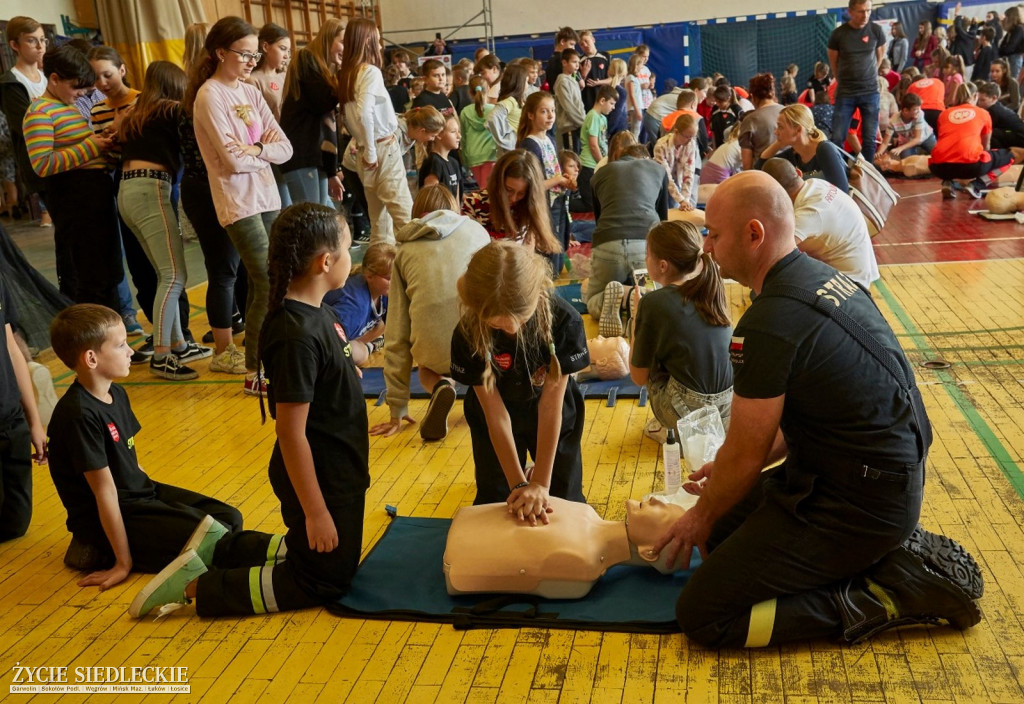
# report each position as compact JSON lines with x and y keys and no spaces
{"x":113,"y":432}
{"x":736,"y":350}
{"x":341,"y":332}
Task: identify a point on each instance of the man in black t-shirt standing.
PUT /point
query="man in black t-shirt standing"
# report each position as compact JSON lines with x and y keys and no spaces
{"x":854,"y":50}
{"x":825,"y":545}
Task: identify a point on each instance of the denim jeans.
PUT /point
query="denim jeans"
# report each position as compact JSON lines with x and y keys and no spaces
{"x":250,"y":237}
{"x":924,"y":147}
{"x":145,"y":206}
{"x":844,"y":108}
{"x":1015,"y":64}
{"x":612,"y":261}
{"x":671,"y":400}
{"x":308,"y":185}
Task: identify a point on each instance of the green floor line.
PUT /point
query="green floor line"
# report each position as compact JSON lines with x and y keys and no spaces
{"x":988,"y":348}
{"x":1010,"y":469}
{"x":950,"y":333}
{"x":993,"y":363}
{"x":168,"y":382}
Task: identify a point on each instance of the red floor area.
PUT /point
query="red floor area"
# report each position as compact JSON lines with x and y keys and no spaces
{"x":925,"y":228}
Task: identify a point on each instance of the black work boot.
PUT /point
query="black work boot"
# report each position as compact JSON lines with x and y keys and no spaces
{"x":948,"y":558}
{"x":901,"y":590}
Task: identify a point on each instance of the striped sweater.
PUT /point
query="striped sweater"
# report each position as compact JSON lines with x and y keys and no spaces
{"x":57,"y":138}
{"x":102,"y":118}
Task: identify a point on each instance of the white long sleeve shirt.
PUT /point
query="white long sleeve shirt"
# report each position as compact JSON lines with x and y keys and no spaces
{"x":369,"y":115}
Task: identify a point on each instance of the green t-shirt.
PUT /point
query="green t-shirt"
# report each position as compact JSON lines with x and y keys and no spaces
{"x":595,"y":125}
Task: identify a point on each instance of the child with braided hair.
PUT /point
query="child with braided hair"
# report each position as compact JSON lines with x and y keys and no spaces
{"x":319,"y":466}
{"x":515,"y":346}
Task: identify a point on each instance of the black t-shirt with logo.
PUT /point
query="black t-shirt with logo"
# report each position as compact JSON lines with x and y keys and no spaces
{"x":447,"y":170}
{"x":598,"y":71}
{"x":307,"y":359}
{"x":857,"y":66}
{"x":838,"y":396}
{"x":87,"y":434}
{"x":438,"y":100}
{"x":10,"y":395}
{"x":520,"y":373}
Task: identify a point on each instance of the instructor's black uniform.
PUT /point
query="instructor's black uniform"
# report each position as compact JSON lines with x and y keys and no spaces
{"x":850,"y":488}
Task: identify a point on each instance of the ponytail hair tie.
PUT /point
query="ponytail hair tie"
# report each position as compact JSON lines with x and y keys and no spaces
{"x":551,"y":346}
{"x":478,"y":89}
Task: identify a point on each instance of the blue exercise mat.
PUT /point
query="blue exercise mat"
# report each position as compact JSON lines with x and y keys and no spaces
{"x":402,"y":579}
{"x":374,"y":387}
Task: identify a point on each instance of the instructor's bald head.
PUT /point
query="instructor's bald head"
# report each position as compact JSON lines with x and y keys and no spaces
{"x":750,"y":226}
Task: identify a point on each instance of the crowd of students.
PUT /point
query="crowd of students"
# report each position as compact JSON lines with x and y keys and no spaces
{"x":262,"y":144}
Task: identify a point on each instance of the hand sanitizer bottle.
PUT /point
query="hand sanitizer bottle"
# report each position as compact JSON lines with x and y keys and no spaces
{"x":670,"y":463}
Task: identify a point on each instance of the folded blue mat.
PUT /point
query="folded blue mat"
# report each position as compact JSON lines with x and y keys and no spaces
{"x":402,"y":579}
{"x":374,"y":387}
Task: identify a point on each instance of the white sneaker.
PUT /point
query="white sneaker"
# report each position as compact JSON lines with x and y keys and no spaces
{"x":230,"y":361}
{"x":610,"y":324}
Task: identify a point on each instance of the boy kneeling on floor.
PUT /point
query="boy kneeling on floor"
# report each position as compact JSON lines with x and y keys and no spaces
{"x":120,"y":519}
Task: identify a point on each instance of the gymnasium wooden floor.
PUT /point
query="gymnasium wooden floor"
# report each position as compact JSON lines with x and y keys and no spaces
{"x":952,"y":286}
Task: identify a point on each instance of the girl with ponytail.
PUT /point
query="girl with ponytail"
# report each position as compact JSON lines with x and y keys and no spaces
{"x":319,"y":465}
{"x":479,"y":152}
{"x":680,"y":344}
{"x":516,"y":345}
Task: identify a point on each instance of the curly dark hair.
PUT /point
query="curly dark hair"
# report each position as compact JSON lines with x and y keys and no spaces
{"x":762,"y":87}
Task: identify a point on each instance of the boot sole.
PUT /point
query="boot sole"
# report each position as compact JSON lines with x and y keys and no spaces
{"x":948,"y":558}
{"x":435,"y":423}
{"x":970,"y":614}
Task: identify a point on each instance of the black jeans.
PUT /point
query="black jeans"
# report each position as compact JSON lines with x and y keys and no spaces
{"x":85,"y":232}
{"x":15,"y":479}
{"x":158,"y":528}
{"x":804,"y":527}
{"x":219,"y":253}
{"x":567,"y":473}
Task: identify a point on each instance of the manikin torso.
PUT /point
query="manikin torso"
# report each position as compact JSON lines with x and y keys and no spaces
{"x":490,"y":551}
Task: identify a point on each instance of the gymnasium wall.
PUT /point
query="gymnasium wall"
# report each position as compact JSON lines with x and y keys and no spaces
{"x":545,"y":16}
{"x":44,"y":11}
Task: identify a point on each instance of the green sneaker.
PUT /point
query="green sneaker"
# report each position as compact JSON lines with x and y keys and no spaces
{"x":205,"y":538}
{"x":167,"y":589}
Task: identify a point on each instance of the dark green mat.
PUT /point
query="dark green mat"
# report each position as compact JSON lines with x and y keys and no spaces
{"x":402,"y":580}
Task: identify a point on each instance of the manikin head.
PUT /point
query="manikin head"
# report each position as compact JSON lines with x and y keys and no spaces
{"x":609,"y":357}
{"x":647,"y":522}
